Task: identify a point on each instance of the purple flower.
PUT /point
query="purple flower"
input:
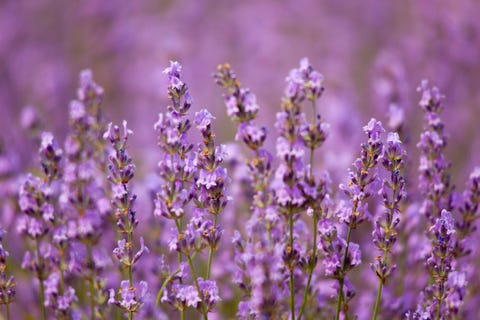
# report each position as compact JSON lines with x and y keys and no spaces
{"x":373,"y":130}
{"x":188,"y":295}
{"x":203,"y":119}
{"x":174,"y":73}
{"x":131,"y":297}
{"x":209,"y":292}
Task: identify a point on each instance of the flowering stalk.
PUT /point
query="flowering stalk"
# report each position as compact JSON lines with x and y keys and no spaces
{"x":189,"y":175}
{"x":313,"y":135}
{"x":37,"y":199}
{"x":258,"y":258}
{"x":122,"y":171}
{"x":177,"y":167}
{"x":334,"y":247}
{"x":386,"y":226}
{"x":469,"y":214}
{"x":434,"y":177}
{"x":358,"y":192}
{"x":33,"y":201}
{"x":297,"y":189}
{"x":290,"y":149}
{"x":58,"y":296}
{"x":211,"y":194}
{"x":441,"y":267}
{"x":83,"y":196}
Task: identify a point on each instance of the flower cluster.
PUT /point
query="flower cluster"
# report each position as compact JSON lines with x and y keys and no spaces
{"x":258,"y":257}
{"x":354,"y":211}
{"x":121,"y":171}
{"x":192,"y":176}
{"x":434,"y":177}
{"x":386,"y":228}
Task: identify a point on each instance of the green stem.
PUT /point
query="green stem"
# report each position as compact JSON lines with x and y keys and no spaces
{"x":210,"y":255}
{"x":130,"y":268}
{"x":379,"y":292}
{"x":62,"y":277}
{"x":192,"y":269}
{"x":8,"y":310}
{"x":312,"y":267}
{"x":342,"y":278}
{"x":314,"y":253}
{"x":442,"y":288}
{"x":292,"y":289}
{"x":164,"y":285}
{"x":92,"y":282}
{"x":390,"y":214}
{"x":40,"y":279}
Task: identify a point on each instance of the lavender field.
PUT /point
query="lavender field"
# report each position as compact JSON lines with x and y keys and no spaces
{"x":239,"y":160}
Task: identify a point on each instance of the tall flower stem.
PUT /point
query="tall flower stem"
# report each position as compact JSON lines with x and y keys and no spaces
{"x":384,"y":260}
{"x":441,"y":287}
{"x":315,"y":222}
{"x":7,"y":306}
{"x":311,"y":267}
{"x":91,"y":283}
{"x":130,"y":276}
{"x":379,"y":293}
{"x":292,"y":288}
{"x":210,"y":255}
{"x":40,"y":279}
{"x":342,"y":278}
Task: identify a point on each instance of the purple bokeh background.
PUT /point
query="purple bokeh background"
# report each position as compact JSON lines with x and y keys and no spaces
{"x":363,"y":49}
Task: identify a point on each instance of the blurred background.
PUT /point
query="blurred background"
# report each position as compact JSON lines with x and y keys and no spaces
{"x":372,"y":53}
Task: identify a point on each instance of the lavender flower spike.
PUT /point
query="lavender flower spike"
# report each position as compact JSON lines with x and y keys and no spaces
{"x":358,"y":189}
{"x":258,"y":271}
{"x":386,"y":225}
{"x":121,"y":171}
{"x":435,"y":181}
{"x":189,"y":174}
{"x":439,"y":295}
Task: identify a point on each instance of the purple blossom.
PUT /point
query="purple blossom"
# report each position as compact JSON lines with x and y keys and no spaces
{"x":209,"y":292}
{"x":130,"y":297}
{"x":203,"y":119}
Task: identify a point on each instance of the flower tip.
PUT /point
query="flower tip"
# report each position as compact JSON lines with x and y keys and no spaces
{"x":108,"y":133}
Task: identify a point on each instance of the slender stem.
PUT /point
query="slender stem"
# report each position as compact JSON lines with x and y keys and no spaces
{"x":8,"y":310}
{"x":390,"y":213}
{"x":164,"y":285}
{"x":292,"y":289}
{"x":91,"y":282}
{"x":342,"y":278}
{"x":314,"y":253}
{"x":130,"y":268}
{"x":210,"y":255}
{"x":312,"y":267}
{"x":60,"y":269}
{"x":192,"y":269}
{"x":40,"y":279}
{"x":441,"y":287}
{"x":379,"y":293}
